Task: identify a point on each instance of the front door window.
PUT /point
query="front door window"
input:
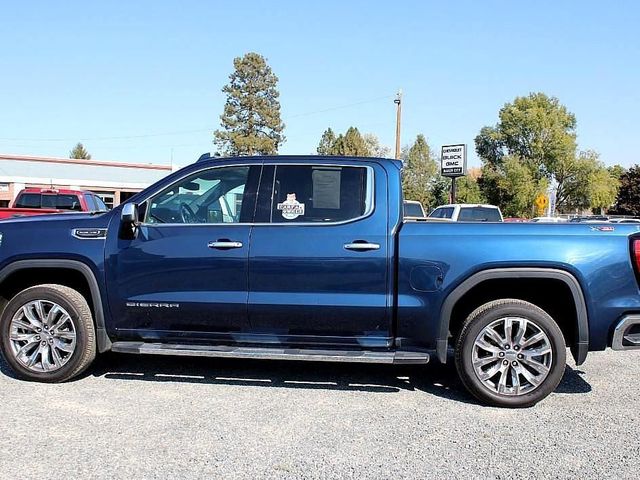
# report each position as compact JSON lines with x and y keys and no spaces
{"x":210,"y":196}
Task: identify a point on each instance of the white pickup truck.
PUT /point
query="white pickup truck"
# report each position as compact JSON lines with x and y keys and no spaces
{"x":467,"y":212}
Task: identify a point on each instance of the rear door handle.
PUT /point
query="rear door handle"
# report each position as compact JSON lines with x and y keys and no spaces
{"x":224,"y":244}
{"x":362,"y":246}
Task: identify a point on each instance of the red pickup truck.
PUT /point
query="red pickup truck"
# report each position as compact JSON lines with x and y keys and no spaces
{"x":38,"y":201}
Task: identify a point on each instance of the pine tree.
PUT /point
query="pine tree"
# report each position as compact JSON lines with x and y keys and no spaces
{"x":326,"y":142}
{"x":419,"y":172}
{"x":79,"y":152}
{"x":250,"y":122}
{"x":350,"y":144}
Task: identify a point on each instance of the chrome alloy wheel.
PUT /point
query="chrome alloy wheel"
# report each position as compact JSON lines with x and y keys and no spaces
{"x":42,"y":336}
{"x":512,"y":356}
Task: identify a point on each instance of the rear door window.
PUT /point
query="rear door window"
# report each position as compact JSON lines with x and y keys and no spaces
{"x":479,"y":214}
{"x":319,"y":193}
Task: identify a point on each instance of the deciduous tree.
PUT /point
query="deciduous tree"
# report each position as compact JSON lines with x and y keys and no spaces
{"x":628,"y":200}
{"x":540,"y":133}
{"x":584,"y":182}
{"x":512,"y":186}
{"x":375,"y":148}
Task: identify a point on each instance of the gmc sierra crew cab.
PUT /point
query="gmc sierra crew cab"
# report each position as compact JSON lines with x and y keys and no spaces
{"x":310,"y":258}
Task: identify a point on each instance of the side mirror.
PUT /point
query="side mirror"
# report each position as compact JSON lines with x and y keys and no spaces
{"x":129,"y":214}
{"x":129,"y":221}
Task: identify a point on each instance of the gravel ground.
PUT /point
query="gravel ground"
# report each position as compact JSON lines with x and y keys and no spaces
{"x":161,"y":417}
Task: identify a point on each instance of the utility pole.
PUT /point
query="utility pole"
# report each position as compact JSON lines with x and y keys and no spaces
{"x":398,"y":102}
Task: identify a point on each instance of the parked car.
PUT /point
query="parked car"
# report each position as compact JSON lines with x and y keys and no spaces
{"x":515,"y":220}
{"x":413,"y":209}
{"x":39,"y":201}
{"x":624,"y":220}
{"x":590,"y":219}
{"x":548,"y":220}
{"x":310,"y":258}
{"x":466,"y":212}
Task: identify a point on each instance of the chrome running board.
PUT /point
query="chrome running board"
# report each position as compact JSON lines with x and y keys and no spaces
{"x":308,"y":354}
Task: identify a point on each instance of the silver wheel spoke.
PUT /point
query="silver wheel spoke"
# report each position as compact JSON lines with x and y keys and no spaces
{"x":508,"y":330}
{"x":483,"y":344}
{"x":44,"y":355}
{"x":490,"y":372}
{"x":23,"y":325}
{"x":64,"y":318}
{"x":23,"y":337}
{"x":65,"y":347}
{"x":536,"y":352}
{"x":55,"y":355}
{"x":40,"y":311}
{"x":530,"y":377}
{"x":25,"y":348}
{"x":31,"y":318}
{"x":515,"y":364}
{"x":52,"y":315}
{"x":522,"y":328}
{"x":502,"y":382}
{"x":34,"y":357}
{"x":481,"y":362}
{"x":493,"y":335}
{"x":65,"y":335}
{"x":537,"y":366}
{"x":533,"y":340}
{"x":515,"y":380}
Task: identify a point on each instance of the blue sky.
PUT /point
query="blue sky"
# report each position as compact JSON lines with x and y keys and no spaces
{"x":101,"y":71}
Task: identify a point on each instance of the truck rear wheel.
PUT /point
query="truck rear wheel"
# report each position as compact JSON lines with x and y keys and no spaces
{"x":510,"y":353}
{"x":47,"y":333}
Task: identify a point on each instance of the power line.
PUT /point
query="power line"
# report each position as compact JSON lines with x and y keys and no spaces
{"x":182,"y":132}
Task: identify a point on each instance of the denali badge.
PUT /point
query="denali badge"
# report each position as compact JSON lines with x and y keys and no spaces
{"x":153,"y":305}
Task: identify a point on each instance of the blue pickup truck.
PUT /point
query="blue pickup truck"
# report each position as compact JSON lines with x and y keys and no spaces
{"x":309,"y":258}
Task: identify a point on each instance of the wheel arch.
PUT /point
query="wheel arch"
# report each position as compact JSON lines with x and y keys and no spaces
{"x":580,"y":345}
{"x":102,"y":339}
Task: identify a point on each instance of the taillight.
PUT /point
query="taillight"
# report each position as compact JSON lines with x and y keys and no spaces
{"x":635,"y":252}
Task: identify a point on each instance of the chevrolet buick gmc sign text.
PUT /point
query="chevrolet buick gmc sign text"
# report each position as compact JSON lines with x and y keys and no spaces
{"x":453,"y":160}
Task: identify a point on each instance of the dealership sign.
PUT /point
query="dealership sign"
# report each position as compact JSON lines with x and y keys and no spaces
{"x":453,"y":160}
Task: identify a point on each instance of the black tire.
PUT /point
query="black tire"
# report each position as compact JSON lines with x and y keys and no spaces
{"x":484,"y":316}
{"x":85,"y":341}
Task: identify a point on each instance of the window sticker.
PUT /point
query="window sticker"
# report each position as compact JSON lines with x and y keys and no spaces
{"x":326,"y":188}
{"x":291,"y":208}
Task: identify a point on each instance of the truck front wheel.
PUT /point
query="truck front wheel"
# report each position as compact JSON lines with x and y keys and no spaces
{"x":510,"y":353}
{"x":47,"y":333}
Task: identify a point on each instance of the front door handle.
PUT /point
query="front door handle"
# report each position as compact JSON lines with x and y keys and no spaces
{"x":224,"y":244}
{"x":362,"y":246}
